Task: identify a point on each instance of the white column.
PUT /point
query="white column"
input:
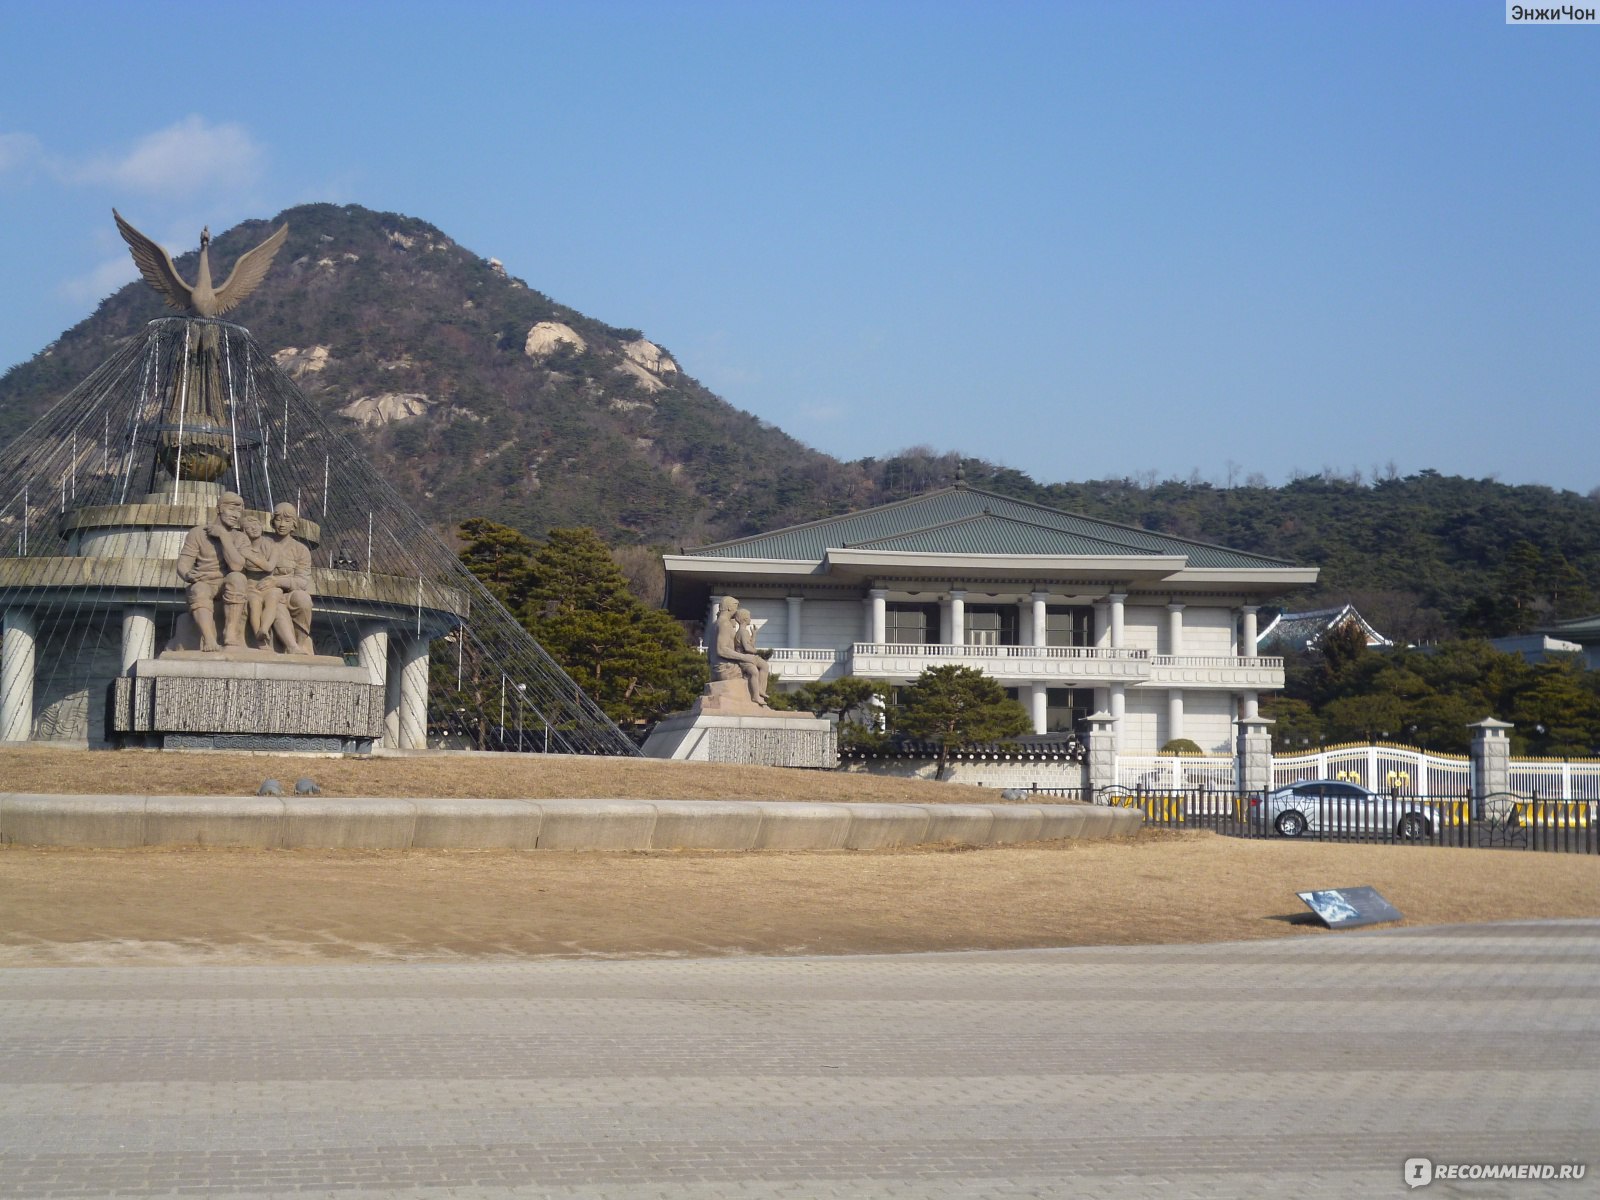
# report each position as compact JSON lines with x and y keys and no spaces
{"x":1102,"y":632}
{"x":413,"y":710}
{"x":1114,"y":602}
{"x":1247,"y":634}
{"x":1174,"y":713}
{"x":1250,"y":703}
{"x":1041,"y":625}
{"x":373,"y":652}
{"x":1119,"y":703}
{"x":1024,"y":623}
{"x":958,"y":617}
{"x":710,"y":637}
{"x":1037,"y":697}
{"x":878,"y":604}
{"x":1174,"y":628}
{"x":16,"y":675}
{"x":391,"y":695}
{"x":794,"y":603}
{"x":138,"y":634}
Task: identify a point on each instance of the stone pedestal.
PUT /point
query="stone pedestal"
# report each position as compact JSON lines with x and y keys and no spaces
{"x":726,"y":726}
{"x":1253,"y":764}
{"x":1491,"y":762}
{"x":1100,"y":765}
{"x":247,"y":700}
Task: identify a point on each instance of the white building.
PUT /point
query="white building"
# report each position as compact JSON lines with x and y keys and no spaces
{"x":1071,"y":615}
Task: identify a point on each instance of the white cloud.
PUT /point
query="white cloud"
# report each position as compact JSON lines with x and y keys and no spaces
{"x":185,"y":159}
{"x":97,"y":284}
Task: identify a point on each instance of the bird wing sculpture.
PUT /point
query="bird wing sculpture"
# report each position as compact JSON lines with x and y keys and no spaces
{"x":249,"y":271}
{"x":155,"y":264}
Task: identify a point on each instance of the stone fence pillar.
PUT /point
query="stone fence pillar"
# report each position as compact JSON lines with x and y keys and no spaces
{"x":1253,"y":767}
{"x":1100,"y":771}
{"x":1491,"y":761}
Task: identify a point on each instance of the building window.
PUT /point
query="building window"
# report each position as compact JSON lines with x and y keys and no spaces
{"x":911,"y":624}
{"x":1069,"y":626}
{"x":1065,"y":709}
{"x":991,"y":626}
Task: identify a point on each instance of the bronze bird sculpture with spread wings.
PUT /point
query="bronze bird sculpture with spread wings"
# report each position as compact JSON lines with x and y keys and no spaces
{"x":201,"y":300}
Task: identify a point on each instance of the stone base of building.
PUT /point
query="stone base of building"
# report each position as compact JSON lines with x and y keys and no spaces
{"x":227,"y":702}
{"x":769,"y":740}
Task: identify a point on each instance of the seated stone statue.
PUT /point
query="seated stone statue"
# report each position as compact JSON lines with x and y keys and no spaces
{"x":745,"y":639}
{"x":732,"y":660}
{"x":212,"y":562}
{"x":291,"y":576}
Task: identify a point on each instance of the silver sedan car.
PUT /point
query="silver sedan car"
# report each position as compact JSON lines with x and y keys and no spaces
{"x":1334,"y":806}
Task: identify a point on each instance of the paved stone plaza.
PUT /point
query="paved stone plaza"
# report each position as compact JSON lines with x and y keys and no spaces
{"x":1305,"y":1066}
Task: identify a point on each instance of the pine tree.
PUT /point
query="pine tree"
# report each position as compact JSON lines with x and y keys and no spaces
{"x":956,"y":706}
{"x":633,"y":660}
{"x":501,"y":557}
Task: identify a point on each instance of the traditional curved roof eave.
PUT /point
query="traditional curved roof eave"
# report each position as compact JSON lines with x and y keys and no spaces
{"x":1323,"y":619}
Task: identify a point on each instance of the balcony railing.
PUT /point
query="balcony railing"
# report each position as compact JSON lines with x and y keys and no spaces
{"x":1070,"y":665}
{"x":1253,"y":673}
{"x":1261,"y":662}
{"x":941,"y":650}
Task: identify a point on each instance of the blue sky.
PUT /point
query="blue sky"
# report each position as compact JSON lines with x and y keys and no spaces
{"x":1084,"y":240}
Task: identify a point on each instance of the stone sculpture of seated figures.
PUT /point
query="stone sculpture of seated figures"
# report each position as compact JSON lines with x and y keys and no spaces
{"x":733,"y":660}
{"x":262,"y":578}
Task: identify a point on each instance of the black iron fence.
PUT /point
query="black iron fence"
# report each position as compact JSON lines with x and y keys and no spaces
{"x":1503,"y":821}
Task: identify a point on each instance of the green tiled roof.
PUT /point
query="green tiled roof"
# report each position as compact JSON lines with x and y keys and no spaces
{"x":962,"y":520}
{"x":989,"y":534}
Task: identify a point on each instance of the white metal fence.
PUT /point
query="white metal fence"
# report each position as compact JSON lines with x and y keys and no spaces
{"x":1556,"y":779}
{"x":1163,"y":772}
{"x":1382,"y":767}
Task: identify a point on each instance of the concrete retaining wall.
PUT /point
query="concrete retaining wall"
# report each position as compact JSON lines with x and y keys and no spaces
{"x":274,"y":822}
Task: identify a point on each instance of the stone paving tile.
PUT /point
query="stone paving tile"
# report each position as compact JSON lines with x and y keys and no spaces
{"x":1311,"y":1067}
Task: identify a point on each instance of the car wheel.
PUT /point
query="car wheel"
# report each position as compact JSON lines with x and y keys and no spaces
{"x":1290,"y":824}
{"x":1413,"y":827}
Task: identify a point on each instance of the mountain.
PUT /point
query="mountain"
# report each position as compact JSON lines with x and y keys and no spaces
{"x":476,"y":394}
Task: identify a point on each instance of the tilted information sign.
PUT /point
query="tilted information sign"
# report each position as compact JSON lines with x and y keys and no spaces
{"x":1347,"y":908}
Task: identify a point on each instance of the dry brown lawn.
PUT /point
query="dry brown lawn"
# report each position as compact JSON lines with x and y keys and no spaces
{"x":189,"y":905}
{"x":507,"y":776}
{"x":256,"y":906}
